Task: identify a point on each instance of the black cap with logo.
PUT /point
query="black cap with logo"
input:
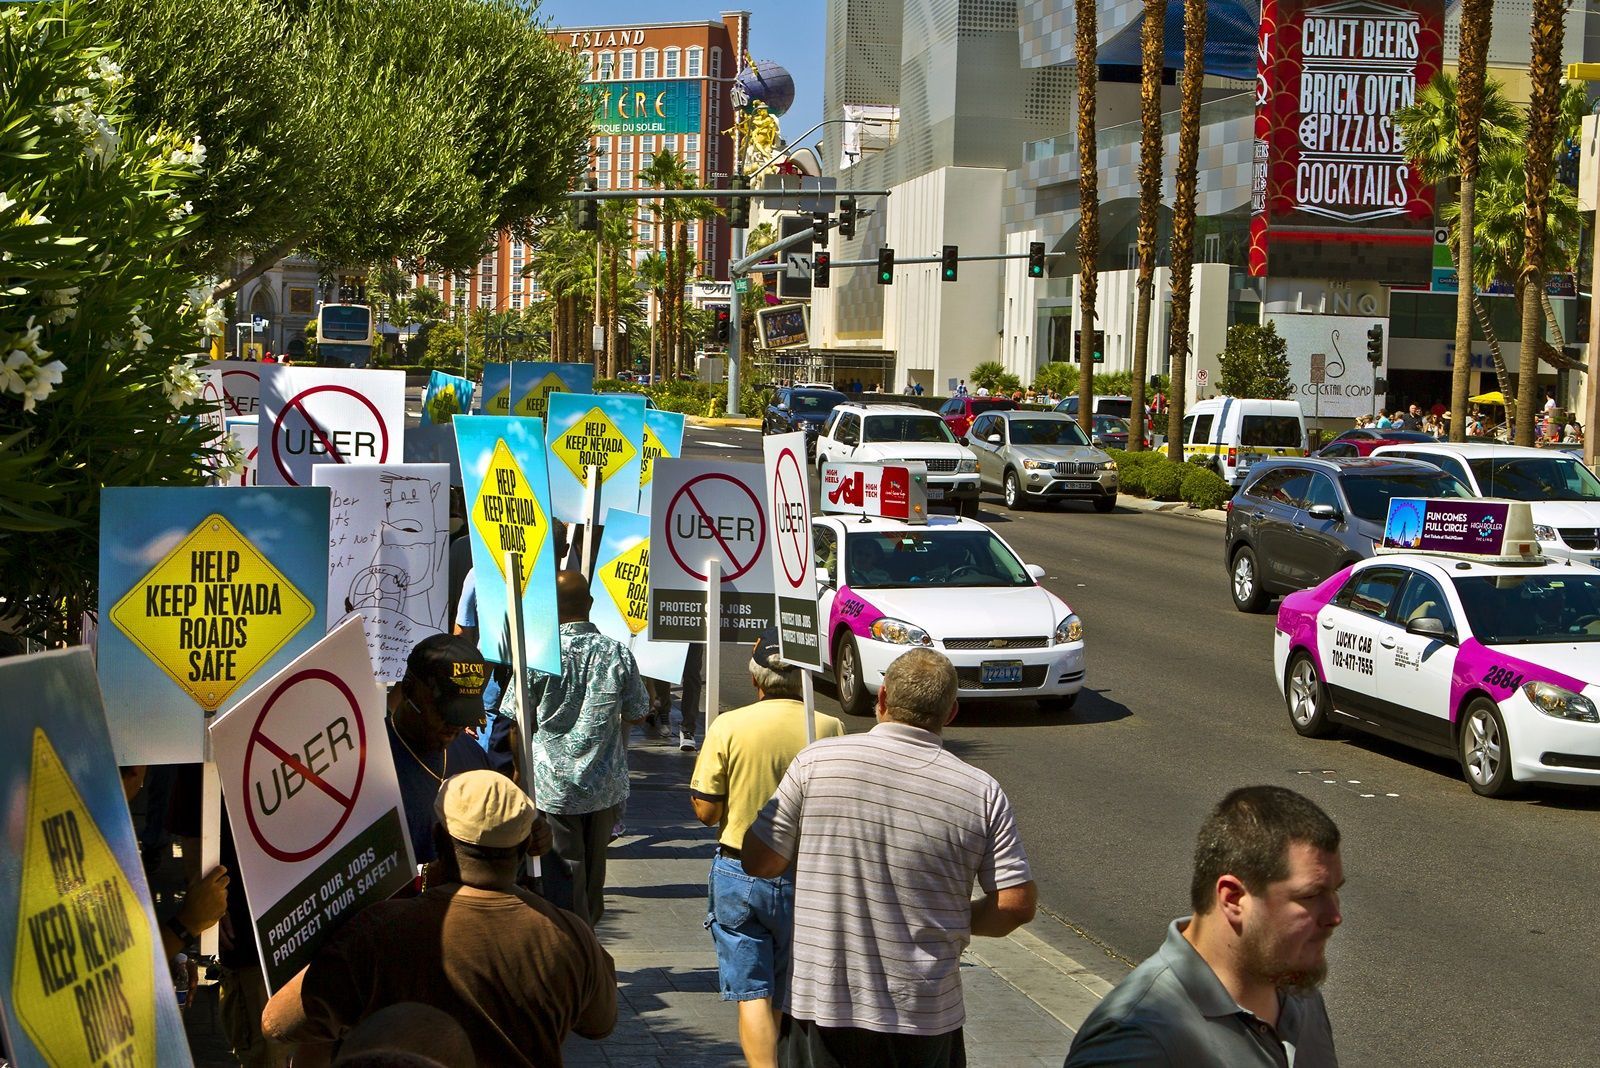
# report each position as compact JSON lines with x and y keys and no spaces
{"x":452,"y":669}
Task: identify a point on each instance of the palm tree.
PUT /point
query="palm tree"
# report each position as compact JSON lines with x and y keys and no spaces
{"x":616,"y":230}
{"x":653,"y":276}
{"x":1088,"y":57}
{"x":1544,"y":114}
{"x":1152,"y":59}
{"x":1183,"y":215}
{"x":563,"y":259}
{"x":666,"y":171}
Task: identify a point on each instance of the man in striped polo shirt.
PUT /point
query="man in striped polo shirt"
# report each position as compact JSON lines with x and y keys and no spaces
{"x":887,"y":833}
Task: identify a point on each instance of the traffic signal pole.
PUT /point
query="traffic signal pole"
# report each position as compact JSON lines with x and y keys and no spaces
{"x":739,"y":266}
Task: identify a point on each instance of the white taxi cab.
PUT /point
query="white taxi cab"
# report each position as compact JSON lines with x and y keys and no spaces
{"x":1486,"y":653}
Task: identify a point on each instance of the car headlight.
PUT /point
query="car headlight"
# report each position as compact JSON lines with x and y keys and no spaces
{"x":1109,"y":465}
{"x":1069,"y":630}
{"x":1544,"y":533}
{"x":899,"y":632}
{"x":1560,"y":702}
{"x":967,"y":467}
{"x":1038,"y":465}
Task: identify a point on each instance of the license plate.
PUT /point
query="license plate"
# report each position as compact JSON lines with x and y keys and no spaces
{"x":1000,"y":673}
{"x":1079,"y":485}
{"x":935,"y":493}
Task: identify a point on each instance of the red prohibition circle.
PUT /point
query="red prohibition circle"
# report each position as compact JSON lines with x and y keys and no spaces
{"x":298,"y":401}
{"x":780,"y":495}
{"x":259,"y":737}
{"x":761,"y":527}
{"x":233,"y":401}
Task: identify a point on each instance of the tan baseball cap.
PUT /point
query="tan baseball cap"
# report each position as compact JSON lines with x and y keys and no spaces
{"x":484,"y":808}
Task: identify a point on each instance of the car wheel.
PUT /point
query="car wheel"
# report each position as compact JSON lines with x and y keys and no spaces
{"x":1011,"y":489}
{"x":1105,"y":504}
{"x":853,"y":696}
{"x":1245,"y":578}
{"x":1307,"y":697}
{"x":1050,"y":706}
{"x":967,"y":509}
{"x":1485,"y":750}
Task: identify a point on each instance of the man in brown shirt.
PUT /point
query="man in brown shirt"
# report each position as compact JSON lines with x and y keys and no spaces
{"x":514,"y":971}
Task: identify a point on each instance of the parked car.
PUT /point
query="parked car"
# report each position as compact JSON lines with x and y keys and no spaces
{"x":1297,"y":521}
{"x":1037,"y":457}
{"x":958,"y":412}
{"x":1119,"y":404}
{"x":806,"y":409}
{"x":1229,"y":434}
{"x":1361,"y":441}
{"x":1563,"y":495}
{"x":884,"y":433}
{"x":1110,"y":432}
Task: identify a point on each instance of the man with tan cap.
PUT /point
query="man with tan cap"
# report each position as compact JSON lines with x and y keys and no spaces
{"x":516,"y":972}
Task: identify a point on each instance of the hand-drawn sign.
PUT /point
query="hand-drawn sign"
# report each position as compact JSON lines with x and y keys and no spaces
{"x":289,"y":824}
{"x":719,"y":509}
{"x":241,"y":390}
{"x":342,"y":444}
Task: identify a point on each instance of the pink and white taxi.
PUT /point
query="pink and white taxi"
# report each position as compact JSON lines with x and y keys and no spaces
{"x":1476,"y":648}
{"x":952,"y":584}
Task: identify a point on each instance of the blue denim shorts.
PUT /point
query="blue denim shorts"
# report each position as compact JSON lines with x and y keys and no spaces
{"x":751,"y":923}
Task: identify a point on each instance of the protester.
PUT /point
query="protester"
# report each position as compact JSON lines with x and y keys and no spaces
{"x":516,"y":972}
{"x":408,"y":1033}
{"x":204,"y":902}
{"x":580,"y":752}
{"x":1412,"y":419}
{"x":882,"y":909}
{"x":659,"y":720}
{"x":746,"y":753}
{"x":496,"y":735}
{"x":1236,"y":983}
{"x":430,"y":711}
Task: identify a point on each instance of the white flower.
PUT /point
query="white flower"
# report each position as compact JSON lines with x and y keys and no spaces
{"x":108,"y":71}
{"x":11,"y":368}
{"x":31,"y":219}
{"x":49,"y":373}
{"x":182,"y":384}
{"x":215,"y":322}
{"x":29,"y":341}
{"x":178,"y":211}
{"x":65,"y":303}
{"x":229,"y":460}
{"x":6,"y":203}
{"x":141,"y":334}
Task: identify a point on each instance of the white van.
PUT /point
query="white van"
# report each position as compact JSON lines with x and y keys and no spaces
{"x":1229,"y":434}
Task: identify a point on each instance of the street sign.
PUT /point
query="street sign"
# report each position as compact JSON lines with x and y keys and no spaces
{"x":822,"y":203}
{"x":83,"y":978}
{"x":319,"y":415}
{"x":794,"y":571}
{"x":708,"y":511}
{"x":797,"y":265}
{"x":1202,"y":376}
{"x":258,"y":323}
{"x":621,"y":591}
{"x":894,"y":491}
{"x":790,"y":285}
{"x":741,"y":284}
{"x":605,"y":432}
{"x":663,"y":439}
{"x":316,"y":810}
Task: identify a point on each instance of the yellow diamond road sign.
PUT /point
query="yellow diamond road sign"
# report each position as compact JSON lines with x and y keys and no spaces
{"x":508,"y":515}
{"x":537,"y":401}
{"x":83,"y":981}
{"x":653,"y":450}
{"x":594,"y":441}
{"x":212,"y":612}
{"x":627,"y":579}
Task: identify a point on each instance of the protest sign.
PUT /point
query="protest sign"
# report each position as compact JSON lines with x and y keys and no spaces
{"x":708,"y":511}
{"x":601,"y":431}
{"x":312,"y":797}
{"x":447,"y":396}
{"x":621,"y":591}
{"x":243,"y":430}
{"x":389,"y":533}
{"x":663,"y":438}
{"x":321,"y":415}
{"x":434,"y":443}
{"x":496,"y":394}
{"x":794,"y":570}
{"x":202,"y":589}
{"x":241,"y":385}
{"x":83,"y":977}
{"x":532,"y":384}
{"x":508,"y":510}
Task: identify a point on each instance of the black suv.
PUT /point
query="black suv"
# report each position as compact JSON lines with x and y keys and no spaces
{"x":805,"y":409}
{"x":1298,"y":520}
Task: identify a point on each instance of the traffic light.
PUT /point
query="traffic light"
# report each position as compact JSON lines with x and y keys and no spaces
{"x":847,"y":217}
{"x":1099,"y":355}
{"x":819,"y":269}
{"x":721,"y":311}
{"x":819,"y":227}
{"x":1036,"y":259}
{"x":947,"y":263}
{"x":886,"y":266}
{"x":1375,"y":344}
{"x":589,"y":211}
{"x":739,"y":207}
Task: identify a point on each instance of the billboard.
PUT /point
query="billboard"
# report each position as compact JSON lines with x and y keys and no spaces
{"x":645,"y":107}
{"x":1328,"y":366}
{"x":1332,"y":193}
{"x":783,"y":326}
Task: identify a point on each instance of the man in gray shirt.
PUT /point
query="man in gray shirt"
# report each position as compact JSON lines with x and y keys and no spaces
{"x":1235,"y":985}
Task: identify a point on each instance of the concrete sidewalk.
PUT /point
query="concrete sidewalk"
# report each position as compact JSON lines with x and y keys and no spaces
{"x":1024,"y":996}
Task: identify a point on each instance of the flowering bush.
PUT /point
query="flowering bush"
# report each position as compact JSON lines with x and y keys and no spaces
{"x":99,"y":319}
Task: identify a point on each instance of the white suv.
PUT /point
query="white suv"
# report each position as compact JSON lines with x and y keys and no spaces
{"x":1563,"y":494}
{"x":885,"y":433}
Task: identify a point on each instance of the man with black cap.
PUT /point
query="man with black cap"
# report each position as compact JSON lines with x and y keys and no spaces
{"x":516,"y":972}
{"x":747,"y":751}
{"x":430,"y":711}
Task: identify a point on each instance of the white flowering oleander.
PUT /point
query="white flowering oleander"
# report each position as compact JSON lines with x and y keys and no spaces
{"x":230,"y":460}
{"x":191,"y":155}
{"x":79,"y":110}
{"x":141,"y":332}
{"x":183,"y":383}
{"x":179,"y":211}
{"x":23,"y":371}
{"x":214,"y":321}
{"x":6,"y":202}
{"x":64,"y":303}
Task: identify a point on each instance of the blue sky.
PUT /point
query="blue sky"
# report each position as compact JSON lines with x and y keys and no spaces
{"x":789,"y":33}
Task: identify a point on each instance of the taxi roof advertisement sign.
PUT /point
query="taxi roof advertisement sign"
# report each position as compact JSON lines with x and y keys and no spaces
{"x":312,"y":797}
{"x":893,"y":491}
{"x":69,"y":864}
{"x":202,"y":590}
{"x":1459,"y":527}
{"x":793,"y":562}
{"x":1333,"y":194}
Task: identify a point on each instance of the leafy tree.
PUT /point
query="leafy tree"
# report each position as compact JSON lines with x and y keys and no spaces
{"x":1255,"y":363}
{"x":354,"y":131}
{"x":100,"y":316}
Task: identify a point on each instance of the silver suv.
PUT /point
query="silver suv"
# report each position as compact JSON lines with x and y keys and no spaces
{"x":1041,"y":456}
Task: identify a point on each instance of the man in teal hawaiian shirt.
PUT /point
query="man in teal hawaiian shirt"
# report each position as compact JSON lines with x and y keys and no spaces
{"x":580,"y":746}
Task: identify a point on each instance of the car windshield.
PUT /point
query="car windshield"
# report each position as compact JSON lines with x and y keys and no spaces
{"x":1046,"y":432}
{"x":906,"y":428}
{"x":1270,"y":431}
{"x":1110,"y":424}
{"x":814,"y":402}
{"x":943,"y":558}
{"x":1369,"y":494}
{"x":1535,"y":478}
{"x":1525,"y":610}
{"x":1123,"y":408}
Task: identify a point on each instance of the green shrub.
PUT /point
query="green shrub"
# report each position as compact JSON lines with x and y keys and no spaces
{"x":1130,"y":478}
{"x":1204,"y":488}
{"x":1163,"y":480}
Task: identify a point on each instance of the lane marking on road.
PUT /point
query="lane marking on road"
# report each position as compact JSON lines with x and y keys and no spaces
{"x":1330,"y":777}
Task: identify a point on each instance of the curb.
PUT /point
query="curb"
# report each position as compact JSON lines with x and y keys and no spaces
{"x":717,"y":420}
{"x":1143,"y":504}
{"x":1061,"y":987}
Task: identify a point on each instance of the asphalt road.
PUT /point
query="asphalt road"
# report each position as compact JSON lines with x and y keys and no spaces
{"x":1468,"y":926}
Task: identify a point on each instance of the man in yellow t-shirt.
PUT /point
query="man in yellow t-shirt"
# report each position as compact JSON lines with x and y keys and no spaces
{"x":751,"y":920}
